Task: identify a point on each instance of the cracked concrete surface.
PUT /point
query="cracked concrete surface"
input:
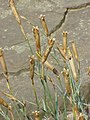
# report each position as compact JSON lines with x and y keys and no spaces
{"x":61,"y":15}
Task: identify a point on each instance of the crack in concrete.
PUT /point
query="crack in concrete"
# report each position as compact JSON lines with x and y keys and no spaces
{"x":62,"y":21}
{"x":59,"y":25}
{"x":84,"y":5}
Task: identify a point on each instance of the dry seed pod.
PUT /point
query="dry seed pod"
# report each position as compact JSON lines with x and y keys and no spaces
{"x":32,"y":65}
{"x":5,"y":104}
{"x":67,"y":83}
{"x":75,"y":51}
{"x":42,"y":18}
{"x":4,"y":67}
{"x":72,"y":65}
{"x":14,"y":10}
{"x":49,"y":66}
{"x":60,"y":49}
{"x":37,"y":38}
{"x":64,"y":42}
{"x":81,"y":117}
{"x":36,"y":115}
{"x":48,"y":50}
{"x":76,"y":111}
{"x":3,"y":63}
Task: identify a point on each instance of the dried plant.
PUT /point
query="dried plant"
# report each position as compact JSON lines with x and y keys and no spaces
{"x":48,"y":50}
{"x":67,"y":82}
{"x":65,"y":42}
{"x":6,"y":105}
{"x":32,"y":65}
{"x":37,"y":38}
{"x":72,"y":65}
{"x":36,"y":115}
{"x":4,"y":67}
{"x":75,"y":51}
{"x":44,"y":25}
{"x":48,"y":103}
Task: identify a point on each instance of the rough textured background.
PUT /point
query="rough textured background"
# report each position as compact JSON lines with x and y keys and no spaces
{"x":76,"y":21}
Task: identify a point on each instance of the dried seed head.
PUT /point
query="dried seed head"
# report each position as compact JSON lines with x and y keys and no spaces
{"x":4,"y":67}
{"x":51,"y":41}
{"x":48,"y":50}
{"x":37,"y":38}
{"x":81,"y":117}
{"x":5,"y":104}
{"x":36,"y":115}
{"x":65,"y":42}
{"x":67,"y":83}
{"x":3,"y":63}
{"x":75,"y":51}
{"x":44,"y":25}
{"x":76,"y":111}
{"x":72,"y":65}
{"x":64,"y":34}
{"x":32,"y":65}
{"x":14,"y":10}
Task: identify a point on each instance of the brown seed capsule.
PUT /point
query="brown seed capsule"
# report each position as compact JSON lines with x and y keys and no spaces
{"x":14,"y":10}
{"x":75,"y":51}
{"x":32,"y":65}
{"x":42,"y":18}
{"x":67,"y":83}
{"x":81,"y":117}
{"x":36,"y":115}
{"x":3,"y":63}
{"x":65,"y":42}
{"x":4,"y":103}
{"x":72,"y":65}
{"x":4,"y":67}
{"x":37,"y":38}
{"x":76,"y":111}
{"x":48,"y":50}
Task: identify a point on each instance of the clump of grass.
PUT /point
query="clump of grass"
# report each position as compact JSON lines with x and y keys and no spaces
{"x":50,"y":103}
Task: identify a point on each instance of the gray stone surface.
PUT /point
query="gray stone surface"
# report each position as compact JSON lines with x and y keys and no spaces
{"x":76,"y":20}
